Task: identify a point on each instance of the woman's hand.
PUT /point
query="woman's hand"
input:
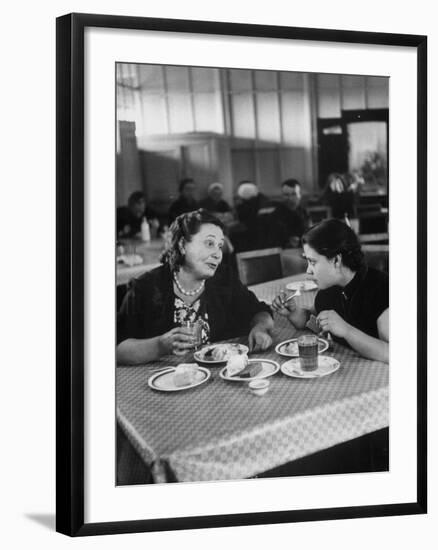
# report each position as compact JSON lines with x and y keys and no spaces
{"x":282,"y":307}
{"x":178,"y":341}
{"x":332,"y":322}
{"x":259,"y":339}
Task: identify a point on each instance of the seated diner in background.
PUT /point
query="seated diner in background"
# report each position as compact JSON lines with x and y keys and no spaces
{"x":352,"y":303}
{"x":130,"y":217}
{"x":290,"y":219}
{"x":216,"y":204}
{"x":190,"y":285}
{"x":340,"y":197}
{"x":186,"y":202}
{"x":250,"y":204}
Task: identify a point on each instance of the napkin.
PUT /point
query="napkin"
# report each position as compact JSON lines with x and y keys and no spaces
{"x":313,"y":325}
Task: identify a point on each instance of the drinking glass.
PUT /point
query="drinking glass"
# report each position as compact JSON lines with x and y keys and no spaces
{"x":196,"y":331}
{"x":308,"y":351}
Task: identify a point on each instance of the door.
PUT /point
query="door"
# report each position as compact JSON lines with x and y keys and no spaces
{"x":332,"y":148}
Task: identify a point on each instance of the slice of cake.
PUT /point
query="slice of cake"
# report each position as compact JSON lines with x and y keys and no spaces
{"x":251,"y":370}
{"x":186,"y":374}
{"x":236,"y":364}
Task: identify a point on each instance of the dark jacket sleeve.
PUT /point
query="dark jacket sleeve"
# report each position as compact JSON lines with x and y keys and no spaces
{"x":147,"y":309}
{"x":131,"y":318}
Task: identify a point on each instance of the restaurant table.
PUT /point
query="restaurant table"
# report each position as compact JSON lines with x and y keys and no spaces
{"x":219,"y":430}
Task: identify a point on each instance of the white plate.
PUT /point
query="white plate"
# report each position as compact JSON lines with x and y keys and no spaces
{"x":232,"y":348}
{"x":163,"y":380}
{"x":293,"y":343}
{"x":303,"y":286}
{"x":326,"y":365}
{"x":269,"y":368}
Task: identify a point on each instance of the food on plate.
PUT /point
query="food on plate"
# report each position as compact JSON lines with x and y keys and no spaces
{"x":239,"y":365}
{"x":186,"y":374}
{"x":291,"y":347}
{"x":251,"y":370}
{"x":236,"y":364}
{"x":221,"y":352}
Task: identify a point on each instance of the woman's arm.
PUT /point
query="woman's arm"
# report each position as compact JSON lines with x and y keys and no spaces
{"x":368,"y":346}
{"x":133,"y":351}
{"x":260,"y":334}
{"x":298,"y":316}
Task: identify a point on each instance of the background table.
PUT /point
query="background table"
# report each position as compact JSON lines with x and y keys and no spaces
{"x":220,"y":431}
{"x":149,"y":252}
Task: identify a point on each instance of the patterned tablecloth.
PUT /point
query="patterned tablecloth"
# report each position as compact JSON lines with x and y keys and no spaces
{"x":219,"y":430}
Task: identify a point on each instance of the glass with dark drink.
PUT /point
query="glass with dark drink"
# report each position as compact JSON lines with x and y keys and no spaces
{"x":308,"y":351}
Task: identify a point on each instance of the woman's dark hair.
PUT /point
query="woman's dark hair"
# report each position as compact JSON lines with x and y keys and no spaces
{"x":332,"y":237}
{"x":135,"y":197}
{"x":183,"y":229}
{"x":291,"y":182}
{"x":184,"y":182}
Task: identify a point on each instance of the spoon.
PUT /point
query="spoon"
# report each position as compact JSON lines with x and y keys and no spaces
{"x":297,"y":293}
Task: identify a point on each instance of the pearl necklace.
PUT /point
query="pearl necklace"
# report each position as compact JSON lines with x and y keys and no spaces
{"x":187,"y":292}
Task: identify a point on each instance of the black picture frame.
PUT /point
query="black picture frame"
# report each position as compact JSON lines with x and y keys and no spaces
{"x":70,"y":272}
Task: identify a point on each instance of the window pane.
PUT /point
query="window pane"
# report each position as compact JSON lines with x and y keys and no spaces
{"x":266,"y":80}
{"x":177,"y":79}
{"x":378,"y":92}
{"x":180,"y":113}
{"x":154,"y":114}
{"x":240,"y":80}
{"x":151,"y":78}
{"x":205,"y":79}
{"x":291,"y":81}
{"x":296,"y":119}
{"x":353,"y":92}
{"x":243,"y":115}
{"x":268,"y":117}
{"x":208,"y":113}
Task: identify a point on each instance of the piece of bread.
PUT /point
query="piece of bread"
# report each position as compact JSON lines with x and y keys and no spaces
{"x":313,"y":324}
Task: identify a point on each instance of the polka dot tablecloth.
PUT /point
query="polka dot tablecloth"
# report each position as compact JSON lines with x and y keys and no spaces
{"x":219,"y":430}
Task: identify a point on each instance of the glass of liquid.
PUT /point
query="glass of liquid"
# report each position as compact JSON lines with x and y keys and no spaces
{"x":308,"y":351}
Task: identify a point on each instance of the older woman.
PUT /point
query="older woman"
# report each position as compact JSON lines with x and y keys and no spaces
{"x":353,"y":300}
{"x":190,"y":285}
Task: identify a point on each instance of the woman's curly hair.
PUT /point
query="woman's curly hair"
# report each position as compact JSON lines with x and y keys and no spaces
{"x":332,"y":237}
{"x":182,"y":230}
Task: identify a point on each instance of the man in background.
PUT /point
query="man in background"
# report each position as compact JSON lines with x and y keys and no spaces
{"x":290,"y":219}
{"x":186,"y":202}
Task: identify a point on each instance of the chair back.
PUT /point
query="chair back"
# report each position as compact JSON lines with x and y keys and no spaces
{"x":318,"y":213}
{"x":259,"y":266}
{"x":373,"y":222}
{"x":375,"y":238}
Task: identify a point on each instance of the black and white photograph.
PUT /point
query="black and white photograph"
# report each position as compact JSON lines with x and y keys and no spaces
{"x":252,"y":273}
{"x":241,"y":302}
